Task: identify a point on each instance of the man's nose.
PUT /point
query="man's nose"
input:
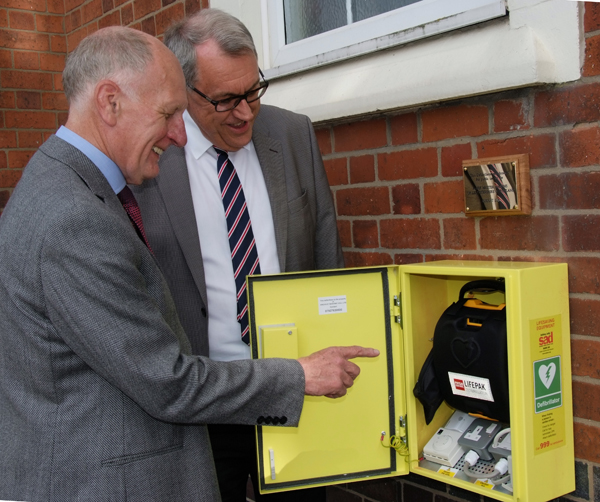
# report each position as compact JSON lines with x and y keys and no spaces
{"x":243,"y":111}
{"x":177,"y":132}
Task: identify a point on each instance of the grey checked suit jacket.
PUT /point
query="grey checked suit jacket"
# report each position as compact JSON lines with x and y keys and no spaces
{"x":99,"y":395}
{"x":303,"y":213}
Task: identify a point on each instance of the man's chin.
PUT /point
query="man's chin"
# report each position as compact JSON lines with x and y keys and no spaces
{"x":235,"y":143}
{"x":150,"y":171}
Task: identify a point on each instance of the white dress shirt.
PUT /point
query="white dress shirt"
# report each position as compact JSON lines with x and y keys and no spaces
{"x":224,"y":332}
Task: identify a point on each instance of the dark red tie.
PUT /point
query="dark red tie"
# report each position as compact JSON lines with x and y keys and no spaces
{"x":133,"y":210}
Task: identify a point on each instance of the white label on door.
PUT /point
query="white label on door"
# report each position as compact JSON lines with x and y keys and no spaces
{"x":332,"y":305}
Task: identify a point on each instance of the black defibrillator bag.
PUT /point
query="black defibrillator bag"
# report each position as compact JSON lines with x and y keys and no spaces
{"x":470,"y":355}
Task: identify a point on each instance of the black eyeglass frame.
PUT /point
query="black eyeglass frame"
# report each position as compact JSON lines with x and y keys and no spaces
{"x":261,"y":89}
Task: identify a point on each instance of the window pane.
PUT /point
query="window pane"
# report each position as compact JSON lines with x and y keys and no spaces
{"x":363,"y":9}
{"x":306,"y":18}
{"x":310,"y":33}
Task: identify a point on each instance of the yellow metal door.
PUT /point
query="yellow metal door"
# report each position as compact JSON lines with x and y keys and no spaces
{"x":294,"y":315}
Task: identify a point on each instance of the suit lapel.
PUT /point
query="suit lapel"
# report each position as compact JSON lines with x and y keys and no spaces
{"x":270,"y":157}
{"x":89,"y":173}
{"x":174,"y":185}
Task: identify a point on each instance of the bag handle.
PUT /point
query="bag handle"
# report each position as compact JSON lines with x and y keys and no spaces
{"x":486,"y":285}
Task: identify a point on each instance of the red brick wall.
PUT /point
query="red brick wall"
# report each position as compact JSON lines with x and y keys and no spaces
{"x":35,"y":37}
{"x":397,"y":185}
{"x":396,"y":179}
{"x":31,"y":102}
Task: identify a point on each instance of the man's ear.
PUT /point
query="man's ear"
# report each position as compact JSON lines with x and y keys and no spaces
{"x":107,"y":96}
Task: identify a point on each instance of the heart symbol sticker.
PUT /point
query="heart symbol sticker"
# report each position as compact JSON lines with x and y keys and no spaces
{"x":547,"y":373}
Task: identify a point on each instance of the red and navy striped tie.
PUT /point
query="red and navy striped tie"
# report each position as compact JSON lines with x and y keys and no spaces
{"x":244,"y":255}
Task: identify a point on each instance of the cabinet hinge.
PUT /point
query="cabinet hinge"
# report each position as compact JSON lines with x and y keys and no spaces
{"x":398,"y":309}
{"x":402,"y":431}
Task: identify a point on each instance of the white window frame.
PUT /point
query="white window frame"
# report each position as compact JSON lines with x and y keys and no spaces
{"x":399,"y":26}
{"x":539,"y":42}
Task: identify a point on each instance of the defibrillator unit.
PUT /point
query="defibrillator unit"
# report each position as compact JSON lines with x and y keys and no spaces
{"x":470,"y":357}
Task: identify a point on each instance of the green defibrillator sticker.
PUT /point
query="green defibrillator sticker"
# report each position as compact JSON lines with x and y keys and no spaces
{"x":546,"y":351}
{"x":547,"y":388}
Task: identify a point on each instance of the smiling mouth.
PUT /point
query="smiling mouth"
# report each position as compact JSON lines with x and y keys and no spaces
{"x":238,"y":125}
{"x":158,"y":151}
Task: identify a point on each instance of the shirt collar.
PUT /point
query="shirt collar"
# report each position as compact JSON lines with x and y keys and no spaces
{"x":197,"y":143}
{"x":107,"y":167}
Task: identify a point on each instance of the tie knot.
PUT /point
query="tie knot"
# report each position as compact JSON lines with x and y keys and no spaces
{"x":220,"y":152}
{"x":126,"y":196}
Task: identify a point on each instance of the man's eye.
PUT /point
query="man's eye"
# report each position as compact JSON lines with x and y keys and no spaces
{"x":227,"y":102}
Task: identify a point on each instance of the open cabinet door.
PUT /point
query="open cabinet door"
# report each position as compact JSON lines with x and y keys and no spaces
{"x":337,"y":440}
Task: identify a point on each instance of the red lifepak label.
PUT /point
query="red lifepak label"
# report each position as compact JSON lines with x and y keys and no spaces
{"x":470,"y":386}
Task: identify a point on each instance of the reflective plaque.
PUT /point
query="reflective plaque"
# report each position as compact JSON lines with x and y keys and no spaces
{"x":497,"y":186}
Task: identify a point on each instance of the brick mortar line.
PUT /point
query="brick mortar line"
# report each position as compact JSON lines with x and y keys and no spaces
{"x":378,"y":183}
{"x":535,"y":212}
{"x":567,"y":212}
{"x":477,"y":219}
{"x":585,"y":296}
{"x":586,"y":379}
{"x":491,"y":252}
{"x":586,"y":421}
{"x":388,"y":149}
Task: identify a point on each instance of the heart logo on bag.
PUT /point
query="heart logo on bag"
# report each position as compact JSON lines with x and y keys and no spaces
{"x":465,"y":351}
{"x":546,"y":374}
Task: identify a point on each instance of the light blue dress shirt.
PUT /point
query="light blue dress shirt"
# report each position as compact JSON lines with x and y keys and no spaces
{"x":110,"y":170}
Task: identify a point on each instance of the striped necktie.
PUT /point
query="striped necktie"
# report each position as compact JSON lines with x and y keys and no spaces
{"x":244,"y":255}
{"x":133,"y":211}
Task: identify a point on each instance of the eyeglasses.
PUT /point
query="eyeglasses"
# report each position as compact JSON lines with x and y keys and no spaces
{"x":224,"y":105}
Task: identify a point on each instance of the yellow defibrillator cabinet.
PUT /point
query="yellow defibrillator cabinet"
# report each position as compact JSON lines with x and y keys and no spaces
{"x":378,"y":429}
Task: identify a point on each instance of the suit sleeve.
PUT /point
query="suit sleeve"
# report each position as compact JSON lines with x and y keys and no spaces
{"x":112,"y":314}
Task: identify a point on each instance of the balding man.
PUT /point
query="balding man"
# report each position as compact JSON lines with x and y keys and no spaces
{"x":100,"y":397}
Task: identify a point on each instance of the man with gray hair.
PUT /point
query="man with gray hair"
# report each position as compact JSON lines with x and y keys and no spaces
{"x":272,"y":158}
{"x":100,"y":397}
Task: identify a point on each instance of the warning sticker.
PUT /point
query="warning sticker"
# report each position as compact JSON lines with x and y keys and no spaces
{"x":470,"y":386}
{"x":448,"y":471}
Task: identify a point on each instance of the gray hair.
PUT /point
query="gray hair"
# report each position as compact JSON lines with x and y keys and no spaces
{"x":230,"y":34}
{"x":115,"y":52}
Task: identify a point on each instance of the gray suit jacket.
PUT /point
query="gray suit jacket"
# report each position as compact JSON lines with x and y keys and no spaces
{"x":301,"y":203}
{"x":99,"y":395}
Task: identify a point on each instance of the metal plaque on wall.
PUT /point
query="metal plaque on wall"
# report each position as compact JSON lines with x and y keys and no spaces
{"x":497,"y":186}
